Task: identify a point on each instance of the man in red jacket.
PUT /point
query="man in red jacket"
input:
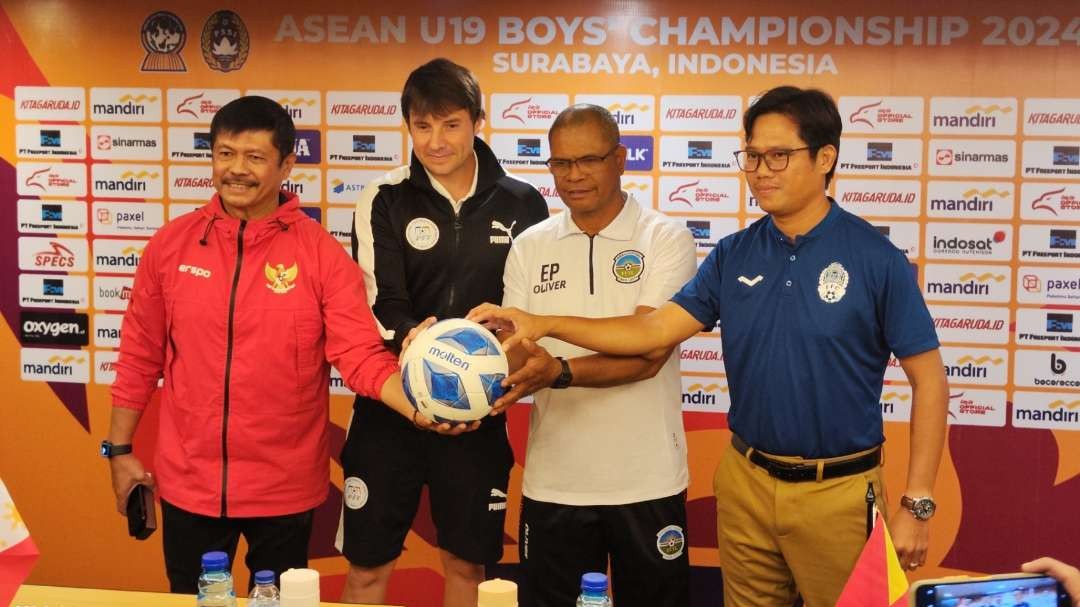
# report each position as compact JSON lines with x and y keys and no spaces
{"x":241,"y":306}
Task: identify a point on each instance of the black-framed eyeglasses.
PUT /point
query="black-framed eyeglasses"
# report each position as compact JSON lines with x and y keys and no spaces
{"x":586,"y":164}
{"x":776,"y":160}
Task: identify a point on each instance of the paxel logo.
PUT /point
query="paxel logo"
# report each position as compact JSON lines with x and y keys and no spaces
{"x":639,"y":152}
{"x":53,"y":328}
{"x":308,"y":147}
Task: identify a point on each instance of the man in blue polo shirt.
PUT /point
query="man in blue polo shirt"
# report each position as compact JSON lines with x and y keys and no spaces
{"x":812,"y":300}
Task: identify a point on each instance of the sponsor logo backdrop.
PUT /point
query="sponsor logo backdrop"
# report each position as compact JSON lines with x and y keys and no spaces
{"x":972,"y":168}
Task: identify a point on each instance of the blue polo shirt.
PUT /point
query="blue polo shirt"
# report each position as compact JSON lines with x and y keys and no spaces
{"x":807,"y":330}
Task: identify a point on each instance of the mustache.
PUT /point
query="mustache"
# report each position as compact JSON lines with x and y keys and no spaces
{"x":239,"y":182}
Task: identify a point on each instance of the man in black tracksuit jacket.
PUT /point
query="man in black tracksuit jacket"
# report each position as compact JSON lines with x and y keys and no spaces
{"x":428,"y":250}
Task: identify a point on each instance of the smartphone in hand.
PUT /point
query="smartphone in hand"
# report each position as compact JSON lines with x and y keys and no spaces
{"x":141,"y":514}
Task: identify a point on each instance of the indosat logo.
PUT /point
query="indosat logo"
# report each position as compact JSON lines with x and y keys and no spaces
{"x":957,"y":246}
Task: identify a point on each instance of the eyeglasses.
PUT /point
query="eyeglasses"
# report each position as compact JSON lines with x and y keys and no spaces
{"x":586,"y":164}
{"x":776,"y":160}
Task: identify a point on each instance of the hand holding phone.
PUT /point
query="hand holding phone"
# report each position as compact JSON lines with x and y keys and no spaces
{"x":1008,"y":590}
{"x":141,"y":514}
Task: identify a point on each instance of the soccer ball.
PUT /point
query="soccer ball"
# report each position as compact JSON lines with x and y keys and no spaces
{"x":453,"y":371}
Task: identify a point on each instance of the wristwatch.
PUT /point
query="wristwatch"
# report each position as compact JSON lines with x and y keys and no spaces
{"x":564,"y":378}
{"x":109,"y":450}
{"x":921,"y":508}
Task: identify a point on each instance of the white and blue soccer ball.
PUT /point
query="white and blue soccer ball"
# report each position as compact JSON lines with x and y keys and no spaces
{"x":453,"y":371}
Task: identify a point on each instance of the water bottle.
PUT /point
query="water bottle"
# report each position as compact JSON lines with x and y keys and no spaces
{"x":215,"y":582}
{"x":265,"y":593}
{"x":593,"y":591}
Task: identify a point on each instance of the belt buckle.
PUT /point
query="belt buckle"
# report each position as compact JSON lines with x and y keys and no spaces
{"x":785,"y":471}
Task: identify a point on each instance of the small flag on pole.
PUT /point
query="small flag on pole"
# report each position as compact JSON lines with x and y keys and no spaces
{"x":877,"y":580}
{"x":17,"y":550}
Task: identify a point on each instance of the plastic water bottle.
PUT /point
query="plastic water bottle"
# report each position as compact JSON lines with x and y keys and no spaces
{"x":593,"y":591}
{"x":215,"y":582}
{"x":265,"y":593}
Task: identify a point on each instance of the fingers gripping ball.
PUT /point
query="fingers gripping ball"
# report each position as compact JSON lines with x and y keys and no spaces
{"x":453,"y":371}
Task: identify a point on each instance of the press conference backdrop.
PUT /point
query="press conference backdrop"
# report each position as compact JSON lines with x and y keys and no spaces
{"x":961,"y":144}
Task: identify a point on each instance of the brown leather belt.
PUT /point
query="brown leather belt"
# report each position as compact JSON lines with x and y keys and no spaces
{"x":803,"y":472}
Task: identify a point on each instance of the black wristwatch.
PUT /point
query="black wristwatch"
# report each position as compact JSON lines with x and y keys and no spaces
{"x":921,"y":508}
{"x":109,"y":450}
{"x":564,"y":378}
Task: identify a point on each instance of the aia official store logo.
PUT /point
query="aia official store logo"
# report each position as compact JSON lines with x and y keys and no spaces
{"x":969,"y":407}
{"x":43,"y":179}
{"x":882,"y":114}
{"x":1050,"y":200}
{"x":699,"y":194}
{"x":526,"y":111}
{"x":197,"y":105}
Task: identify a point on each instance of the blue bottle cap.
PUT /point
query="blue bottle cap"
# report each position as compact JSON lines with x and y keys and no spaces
{"x":215,"y":561}
{"x":264,"y":577}
{"x":594,"y":582}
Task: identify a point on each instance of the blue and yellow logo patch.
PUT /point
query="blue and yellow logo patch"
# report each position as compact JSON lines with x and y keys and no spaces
{"x":628,"y":266}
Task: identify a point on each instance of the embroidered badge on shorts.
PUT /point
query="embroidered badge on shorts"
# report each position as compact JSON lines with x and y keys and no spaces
{"x":356,"y":493}
{"x":422,"y":233}
{"x":628,"y":266}
{"x":671,"y":541}
{"x":832,"y":283}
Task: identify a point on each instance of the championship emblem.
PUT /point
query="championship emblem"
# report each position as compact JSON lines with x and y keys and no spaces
{"x":628,"y":266}
{"x":670,"y":542}
{"x":225,"y":42}
{"x":832,"y":283}
{"x":355,"y":493}
{"x":163,"y":36}
{"x":422,"y":233}
{"x":279,"y":278}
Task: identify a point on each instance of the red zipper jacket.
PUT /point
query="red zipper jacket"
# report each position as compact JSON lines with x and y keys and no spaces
{"x":240,"y":318}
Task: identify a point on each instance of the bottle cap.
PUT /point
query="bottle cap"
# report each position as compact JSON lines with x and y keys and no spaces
{"x":215,"y":561}
{"x":594,"y":582}
{"x":300,"y":588}
{"x":497,"y":593}
{"x":264,"y":576}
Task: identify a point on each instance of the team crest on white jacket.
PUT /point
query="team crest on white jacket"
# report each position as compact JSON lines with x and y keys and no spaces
{"x":280,"y":279}
{"x":422,"y":233}
{"x":832,"y":283}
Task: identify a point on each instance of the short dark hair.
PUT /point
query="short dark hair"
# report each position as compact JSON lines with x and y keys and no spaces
{"x":584,"y":113}
{"x":440,"y":87}
{"x":813,"y":110}
{"x":254,"y":113}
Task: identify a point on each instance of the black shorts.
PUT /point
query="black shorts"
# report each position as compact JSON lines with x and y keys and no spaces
{"x":387,"y":461}
{"x":650,"y":566}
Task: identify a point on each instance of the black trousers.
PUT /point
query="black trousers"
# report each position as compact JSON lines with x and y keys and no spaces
{"x":276,"y":543}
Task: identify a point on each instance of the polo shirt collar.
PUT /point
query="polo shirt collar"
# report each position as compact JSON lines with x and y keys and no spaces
{"x":442,"y":191}
{"x":822,"y":227}
{"x":620,"y":228}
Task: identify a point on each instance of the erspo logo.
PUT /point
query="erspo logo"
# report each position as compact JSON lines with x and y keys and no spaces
{"x":52,"y":217}
{"x":962,"y":282}
{"x":64,"y":366}
{"x":52,"y":254}
{"x":1046,"y":410}
{"x":631,"y":112}
{"x":973,"y":115}
{"x":969,"y":407}
{"x":197,"y":105}
{"x":363,"y":108}
{"x":1052,"y":117}
{"x":971,"y":324}
{"x":125,"y":104}
{"x":526,"y":110}
{"x":699,"y":194}
{"x":970,"y":200}
{"x":705,"y":394}
{"x":1050,"y":201}
{"x":975,"y":366}
{"x":880,"y":156}
{"x":701,"y":113}
{"x":50,"y":103}
{"x":882,"y":114}
{"x":969,"y":241}
{"x":304,"y":107}
{"x":65,"y":179}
